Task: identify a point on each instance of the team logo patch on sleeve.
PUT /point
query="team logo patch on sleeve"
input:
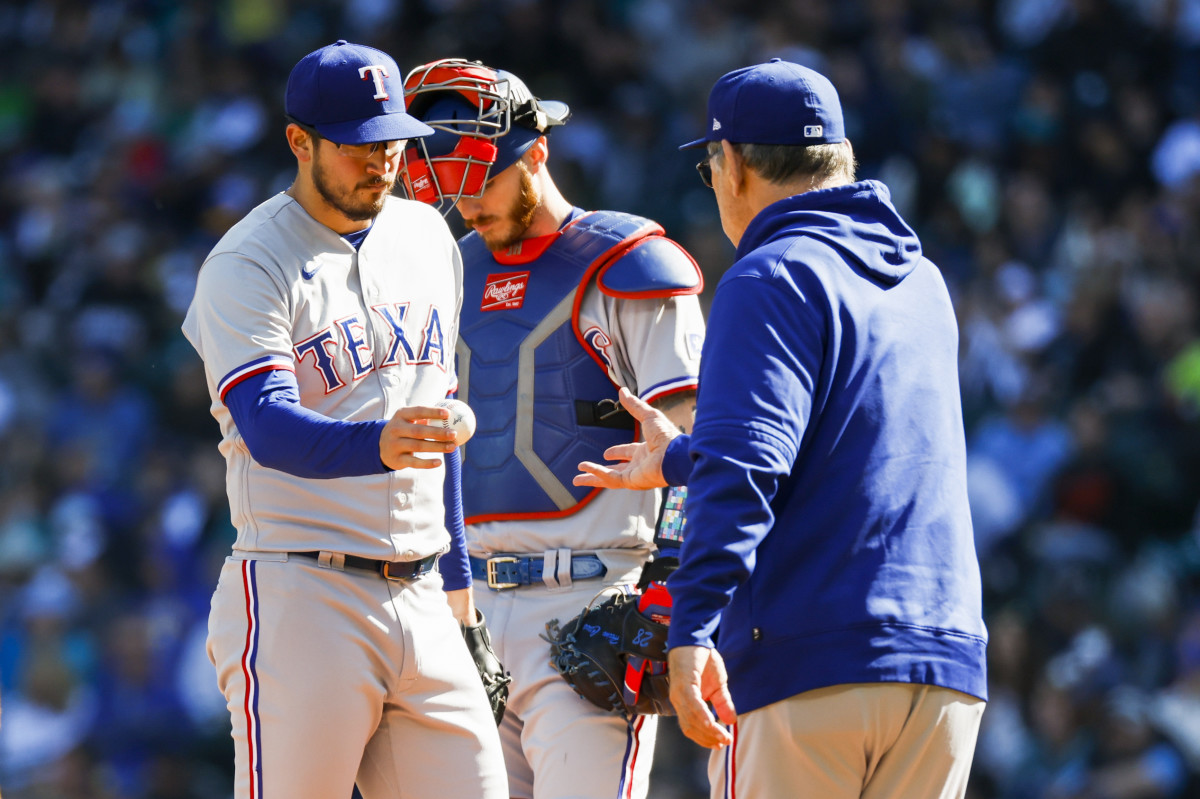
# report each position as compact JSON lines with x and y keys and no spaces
{"x":504,"y":291}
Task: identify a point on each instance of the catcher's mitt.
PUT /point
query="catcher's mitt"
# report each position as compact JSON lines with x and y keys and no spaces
{"x":614,"y":655}
{"x":491,"y":671}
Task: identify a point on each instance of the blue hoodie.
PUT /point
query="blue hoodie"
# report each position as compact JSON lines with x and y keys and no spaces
{"x":829,"y":539}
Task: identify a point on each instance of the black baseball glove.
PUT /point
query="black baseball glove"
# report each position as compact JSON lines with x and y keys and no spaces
{"x":614,"y":656}
{"x":491,"y":670}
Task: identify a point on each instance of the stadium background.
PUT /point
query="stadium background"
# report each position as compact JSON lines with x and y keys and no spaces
{"x":1046,"y":151}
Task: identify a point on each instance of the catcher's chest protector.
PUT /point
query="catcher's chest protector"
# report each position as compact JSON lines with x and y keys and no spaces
{"x":520,"y":343}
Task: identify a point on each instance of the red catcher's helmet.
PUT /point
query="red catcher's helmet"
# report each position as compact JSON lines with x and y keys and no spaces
{"x":484,"y":119}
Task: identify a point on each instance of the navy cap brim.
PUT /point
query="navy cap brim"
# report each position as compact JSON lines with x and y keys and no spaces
{"x":385,"y":127}
{"x":692,"y":145}
{"x":511,"y":147}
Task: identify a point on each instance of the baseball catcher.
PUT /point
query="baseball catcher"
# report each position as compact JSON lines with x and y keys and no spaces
{"x":491,"y":671}
{"x":562,"y":307}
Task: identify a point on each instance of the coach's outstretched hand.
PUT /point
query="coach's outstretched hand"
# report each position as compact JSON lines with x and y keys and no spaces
{"x":407,"y":434}
{"x":697,"y":678}
{"x":642,"y":460}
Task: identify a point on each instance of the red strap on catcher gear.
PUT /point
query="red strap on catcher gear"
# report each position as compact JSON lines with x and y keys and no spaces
{"x":654,"y":603}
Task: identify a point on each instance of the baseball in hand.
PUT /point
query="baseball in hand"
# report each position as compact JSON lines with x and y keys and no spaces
{"x":461,"y":421}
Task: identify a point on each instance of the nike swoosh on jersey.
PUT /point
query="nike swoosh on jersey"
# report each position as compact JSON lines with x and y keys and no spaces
{"x":307,"y":274}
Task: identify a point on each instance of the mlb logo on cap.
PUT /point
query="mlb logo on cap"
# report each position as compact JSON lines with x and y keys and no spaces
{"x":813,"y":131}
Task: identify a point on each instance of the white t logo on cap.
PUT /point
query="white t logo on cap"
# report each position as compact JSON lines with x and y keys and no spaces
{"x":378,"y":73}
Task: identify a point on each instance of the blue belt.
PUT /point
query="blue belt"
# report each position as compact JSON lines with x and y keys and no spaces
{"x":512,"y":571}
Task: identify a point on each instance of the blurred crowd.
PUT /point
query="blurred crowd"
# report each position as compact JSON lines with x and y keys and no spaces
{"x":1046,"y":151}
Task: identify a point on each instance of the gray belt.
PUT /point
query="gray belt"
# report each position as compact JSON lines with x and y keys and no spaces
{"x":503,"y":571}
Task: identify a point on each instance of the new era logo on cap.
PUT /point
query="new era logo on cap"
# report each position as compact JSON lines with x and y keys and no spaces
{"x":716,"y":124}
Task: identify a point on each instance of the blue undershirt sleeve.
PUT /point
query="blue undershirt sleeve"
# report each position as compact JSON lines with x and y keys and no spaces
{"x":454,"y":565}
{"x":282,"y":434}
{"x":677,"y":461}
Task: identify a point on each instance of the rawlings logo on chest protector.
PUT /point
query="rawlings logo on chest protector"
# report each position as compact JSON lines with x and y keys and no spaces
{"x":504,"y":291}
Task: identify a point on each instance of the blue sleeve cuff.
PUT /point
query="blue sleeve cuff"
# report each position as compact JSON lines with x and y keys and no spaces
{"x":677,"y":636}
{"x":677,"y":461}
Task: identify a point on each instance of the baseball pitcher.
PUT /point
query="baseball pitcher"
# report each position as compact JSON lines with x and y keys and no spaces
{"x":327,"y":320}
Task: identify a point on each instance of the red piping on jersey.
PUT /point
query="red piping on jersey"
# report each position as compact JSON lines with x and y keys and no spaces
{"x":635,"y":745}
{"x":250,"y":676}
{"x":672,"y":392}
{"x":267,"y":368}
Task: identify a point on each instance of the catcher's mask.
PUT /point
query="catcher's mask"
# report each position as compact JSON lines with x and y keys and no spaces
{"x":484,"y":119}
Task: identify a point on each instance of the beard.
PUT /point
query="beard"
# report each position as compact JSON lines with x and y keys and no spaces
{"x":517,"y":220}
{"x":344,"y":200}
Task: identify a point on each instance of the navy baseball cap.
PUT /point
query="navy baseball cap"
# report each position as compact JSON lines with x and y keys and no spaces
{"x":773,"y":103}
{"x":532,"y":118}
{"x":351,"y":94}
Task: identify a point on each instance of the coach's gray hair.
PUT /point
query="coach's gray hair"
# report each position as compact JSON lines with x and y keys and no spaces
{"x":816,"y":164}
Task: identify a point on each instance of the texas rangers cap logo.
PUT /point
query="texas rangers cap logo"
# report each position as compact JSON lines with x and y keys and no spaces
{"x":504,"y":291}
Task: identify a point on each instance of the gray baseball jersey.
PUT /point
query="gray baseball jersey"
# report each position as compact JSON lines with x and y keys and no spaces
{"x":366,"y":332}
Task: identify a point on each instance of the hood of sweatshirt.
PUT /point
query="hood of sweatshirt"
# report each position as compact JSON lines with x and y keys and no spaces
{"x":858,"y":219}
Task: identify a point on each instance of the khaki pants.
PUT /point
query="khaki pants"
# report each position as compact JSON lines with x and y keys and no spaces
{"x":863,"y":741}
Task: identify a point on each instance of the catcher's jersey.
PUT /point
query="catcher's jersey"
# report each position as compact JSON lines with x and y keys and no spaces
{"x":366,"y":331}
{"x":652,"y":346}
